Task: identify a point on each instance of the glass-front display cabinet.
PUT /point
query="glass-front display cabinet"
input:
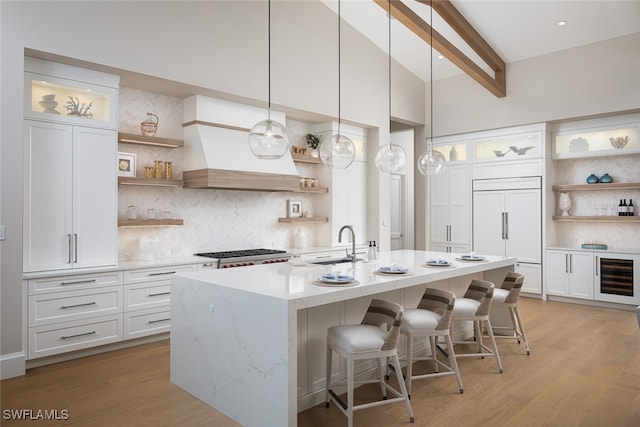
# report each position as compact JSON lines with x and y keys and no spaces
{"x":91,"y":100}
{"x":519,"y":146}
{"x":600,"y":141}
{"x":452,"y":152}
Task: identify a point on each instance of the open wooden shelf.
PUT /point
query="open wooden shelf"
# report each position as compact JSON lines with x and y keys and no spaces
{"x":150,"y":140}
{"x":597,"y":218}
{"x":589,"y":187}
{"x":149,"y":222}
{"x":313,"y":190}
{"x":149,"y":182}
{"x":305,"y":159}
{"x":313,"y":220}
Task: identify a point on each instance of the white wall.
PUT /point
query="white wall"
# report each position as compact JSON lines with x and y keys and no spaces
{"x":588,"y":80}
{"x":219,"y":46}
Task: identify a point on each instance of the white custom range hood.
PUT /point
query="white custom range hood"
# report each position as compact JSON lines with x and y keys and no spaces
{"x":217,"y":153}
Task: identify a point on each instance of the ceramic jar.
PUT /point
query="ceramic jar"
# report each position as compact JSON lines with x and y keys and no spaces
{"x":606,"y":179}
{"x":592,"y":179}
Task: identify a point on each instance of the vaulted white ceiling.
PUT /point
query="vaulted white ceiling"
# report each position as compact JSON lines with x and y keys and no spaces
{"x":516,"y":29}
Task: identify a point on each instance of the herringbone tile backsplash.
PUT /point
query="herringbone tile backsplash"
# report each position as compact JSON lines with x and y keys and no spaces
{"x":213,"y":219}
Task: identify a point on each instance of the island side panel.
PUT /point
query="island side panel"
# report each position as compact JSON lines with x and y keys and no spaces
{"x":231,"y":349}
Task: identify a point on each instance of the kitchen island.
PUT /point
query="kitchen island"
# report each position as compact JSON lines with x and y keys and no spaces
{"x":250,"y":342}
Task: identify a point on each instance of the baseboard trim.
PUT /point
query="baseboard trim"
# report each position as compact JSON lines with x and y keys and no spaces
{"x":12,"y":365}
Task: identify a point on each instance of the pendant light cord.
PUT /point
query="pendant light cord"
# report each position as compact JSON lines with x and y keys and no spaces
{"x":431,"y":75}
{"x":339,"y":68}
{"x":389,"y":15}
{"x":269,"y":62}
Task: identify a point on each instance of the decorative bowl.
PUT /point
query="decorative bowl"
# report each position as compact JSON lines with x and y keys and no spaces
{"x":619,"y":142}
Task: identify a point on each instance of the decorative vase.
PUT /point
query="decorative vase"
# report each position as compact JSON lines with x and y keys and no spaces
{"x":300,"y":240}
{"x":592,"y":179}
{"x":453,"y":154}
{"x":564,"y":203}
{"x":606,"y":179}
{"x":314,"y":153}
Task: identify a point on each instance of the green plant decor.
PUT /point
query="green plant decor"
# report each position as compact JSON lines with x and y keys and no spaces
{"x":313,"y":140}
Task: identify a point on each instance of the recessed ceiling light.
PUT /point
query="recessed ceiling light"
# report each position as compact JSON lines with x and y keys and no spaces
{"x":562,"y":23}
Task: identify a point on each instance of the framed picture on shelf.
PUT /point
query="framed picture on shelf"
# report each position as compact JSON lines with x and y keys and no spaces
{"x":126,"y":164}
{"x":294,"y":208}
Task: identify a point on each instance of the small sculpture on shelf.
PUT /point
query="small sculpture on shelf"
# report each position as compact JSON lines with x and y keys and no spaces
{"x":150,"y":126}
{"x":75,"y":108}
{"x":564,"y":203}
{"x":619,"y":142}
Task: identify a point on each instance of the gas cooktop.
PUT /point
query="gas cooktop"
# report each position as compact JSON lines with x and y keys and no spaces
{"x":241,"y":253}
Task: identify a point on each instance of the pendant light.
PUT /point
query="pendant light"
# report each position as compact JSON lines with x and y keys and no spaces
{"x":390,"y":157}
{"x":338,"y":151}
{"x":431,"y":162}
{"x":268,"y":139}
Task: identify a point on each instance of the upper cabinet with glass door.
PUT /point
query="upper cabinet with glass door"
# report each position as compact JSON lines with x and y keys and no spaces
{"x":508,"y":147}
{"x":453,"y":150}
{"x":67,"y":94}
{"x":598,"y":137}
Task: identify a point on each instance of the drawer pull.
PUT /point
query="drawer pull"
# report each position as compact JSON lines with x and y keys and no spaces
{"x":77,"y":335}
{"x":78,"y":282}
{"x":207,"y":264}
{"x":162,"y":273}
{"x":159,"y":293}
{"x":78,"y":305}
{"x":159,"y":320}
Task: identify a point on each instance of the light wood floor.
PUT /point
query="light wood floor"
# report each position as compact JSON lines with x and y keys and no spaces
{"x":584,"y":370}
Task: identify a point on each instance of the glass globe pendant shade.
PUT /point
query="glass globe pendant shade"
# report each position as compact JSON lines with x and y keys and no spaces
{"x":431,"y":162}
{"x":391,"y":158}
{"x":268,"y":140}
{"x":337,"y":152}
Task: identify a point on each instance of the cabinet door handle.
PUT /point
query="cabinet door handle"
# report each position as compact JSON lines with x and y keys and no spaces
{"x":159,"y":320}
{"x":75,"y":248}
{"x":78,"y":282}
{"x":571,"y":263}
{"x":597,"y":264}
{"x":162,"y":273}
{"x":566,"y":263}
{"x":506,"y":225}
{"x":503,"y":225}
{"x":159,"y":293}
{"x":69,"y":240}
{"x":77,"y":335}
{"x":78,"y":305}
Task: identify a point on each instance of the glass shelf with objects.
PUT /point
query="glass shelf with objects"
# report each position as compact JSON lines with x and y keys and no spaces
{"x":62,"y":100}
{"x":602,"y":141}
{"x":508,"y":147}
{"x":452,"y":151}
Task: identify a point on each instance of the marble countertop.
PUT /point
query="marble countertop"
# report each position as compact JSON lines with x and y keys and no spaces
{"x":295,"y":283}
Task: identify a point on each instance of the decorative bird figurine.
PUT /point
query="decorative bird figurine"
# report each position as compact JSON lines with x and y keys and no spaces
{"x":499,"y":153}
{"x":520,"y":151}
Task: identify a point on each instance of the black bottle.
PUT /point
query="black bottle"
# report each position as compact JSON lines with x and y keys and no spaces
{"x":630,"y":208}
{"x":620,"y":213}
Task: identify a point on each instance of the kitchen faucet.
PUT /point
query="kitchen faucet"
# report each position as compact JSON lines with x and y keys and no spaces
{"x":353,"y":241}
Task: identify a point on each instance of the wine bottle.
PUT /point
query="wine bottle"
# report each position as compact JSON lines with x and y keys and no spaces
{"x":630,"y":208}
{"x":620,"y":208}
{"x":625,"y":210}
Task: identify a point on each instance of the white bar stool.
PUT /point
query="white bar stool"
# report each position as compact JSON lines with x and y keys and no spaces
{"x":475,"y":307}
{"x":507,"y":296}
{"x":375,"y":338}
{"x":432,"y":319}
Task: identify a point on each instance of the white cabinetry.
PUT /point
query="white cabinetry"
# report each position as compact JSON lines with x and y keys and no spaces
{"x":570,"y":274}
{"x":70,"y":198}
{"x":451,"y":209}
{"x":507,"y":221}
{"x":68,"y":313}
{"x":147,"y":300}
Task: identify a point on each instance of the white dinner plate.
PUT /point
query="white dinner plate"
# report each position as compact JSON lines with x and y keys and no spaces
{"x":392,"y":270}
{"x":439,"y":264}
{"x":336,"y":280}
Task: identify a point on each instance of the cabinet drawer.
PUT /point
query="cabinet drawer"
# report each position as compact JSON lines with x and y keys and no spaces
{"x":74,"y":282}
{"x":69,"y":336}
{"x":153,"y":274}
{"x":147,"y":295}
{"x":146,"y":322}
{"x":74,"y":305}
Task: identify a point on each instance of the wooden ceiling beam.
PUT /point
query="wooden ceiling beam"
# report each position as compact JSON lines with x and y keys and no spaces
{"x":495,"y":84}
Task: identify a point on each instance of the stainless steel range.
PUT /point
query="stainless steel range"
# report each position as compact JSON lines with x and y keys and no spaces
{"x":242,"y":258}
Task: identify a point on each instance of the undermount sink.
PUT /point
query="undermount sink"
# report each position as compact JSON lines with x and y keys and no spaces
{"x":334,"y":261}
